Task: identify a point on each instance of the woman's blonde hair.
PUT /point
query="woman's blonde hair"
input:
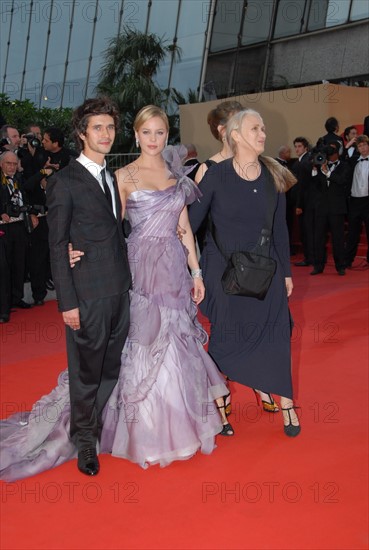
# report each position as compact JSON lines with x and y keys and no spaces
{"x":283,"y":178}
{"x":147,"y":112}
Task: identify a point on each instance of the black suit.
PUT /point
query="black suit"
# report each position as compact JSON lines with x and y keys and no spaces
{"x":196,"y":165}
{"x":366,"y":126}
{"x":98,"y":285}
{"x":15,"y":245}
{"x":331,"y":208}
{"x":38,"y":249}
{"x":290,"y":204}
{"x":305,"y":196}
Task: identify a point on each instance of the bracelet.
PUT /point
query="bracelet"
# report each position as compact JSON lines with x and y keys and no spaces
{"x":196,"y":273}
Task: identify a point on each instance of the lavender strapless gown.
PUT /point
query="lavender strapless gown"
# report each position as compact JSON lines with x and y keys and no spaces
{"x":162,"y":408}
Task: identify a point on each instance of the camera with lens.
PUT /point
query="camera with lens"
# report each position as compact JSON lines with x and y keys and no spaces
{"x":15,"y":210}
{"x":32,"y":139}
{"x":321,"y":153}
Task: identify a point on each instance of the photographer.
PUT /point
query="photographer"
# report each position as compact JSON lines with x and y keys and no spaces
{"x":9,"y":139}
{"x":55,"y":157}
{"x":15,"y":236}
{"x":332,"y":180}
{"x":53,"y":144}
{"x":31,"y":152}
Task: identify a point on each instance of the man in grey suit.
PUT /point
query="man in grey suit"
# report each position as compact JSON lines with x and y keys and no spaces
{"x":84,"y":209}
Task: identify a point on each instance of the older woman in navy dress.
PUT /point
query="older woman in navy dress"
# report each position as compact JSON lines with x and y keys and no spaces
{"x":250,"y":339}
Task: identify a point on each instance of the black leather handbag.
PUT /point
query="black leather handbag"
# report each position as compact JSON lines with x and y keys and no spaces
{"x":250,"y":273}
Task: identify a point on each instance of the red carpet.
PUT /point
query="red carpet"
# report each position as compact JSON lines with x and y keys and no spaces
{"x":258,"y":490}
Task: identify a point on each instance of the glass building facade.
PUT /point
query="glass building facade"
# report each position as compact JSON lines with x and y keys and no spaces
{"x":52,"y":50}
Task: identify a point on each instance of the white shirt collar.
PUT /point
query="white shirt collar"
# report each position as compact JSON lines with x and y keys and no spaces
{"x":94,"y":168}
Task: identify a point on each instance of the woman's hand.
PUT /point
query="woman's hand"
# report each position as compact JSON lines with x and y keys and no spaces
{"x":198,"y":290}
{"x":74,"y":255}
{"x":289,"y":286}
{"x":71,"y":318}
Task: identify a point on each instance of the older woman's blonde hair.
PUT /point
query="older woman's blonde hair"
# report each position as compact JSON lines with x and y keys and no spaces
{"x":147,"y":112}
{"x":283,"y":179}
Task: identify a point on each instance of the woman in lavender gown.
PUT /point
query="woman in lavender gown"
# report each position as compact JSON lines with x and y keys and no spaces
{"x":162,"y":408}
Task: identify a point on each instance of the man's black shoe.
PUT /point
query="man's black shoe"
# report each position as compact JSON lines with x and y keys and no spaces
{"x":341,"y":271}
{"x":22,"y":305}
{"x":4,"y":318}
{"x":88,"y":463}
{"x":38,"y":303}
{"x":304,"y":263}
{"x":316,"y":271}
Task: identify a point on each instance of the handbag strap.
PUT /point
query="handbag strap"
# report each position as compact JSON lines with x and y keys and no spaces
{"x":266,"y":232}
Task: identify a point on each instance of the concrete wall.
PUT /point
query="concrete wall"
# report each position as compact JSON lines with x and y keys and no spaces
{"x":334,"y":54}
{"x":286,"y":113}
{"x":314,"y":58}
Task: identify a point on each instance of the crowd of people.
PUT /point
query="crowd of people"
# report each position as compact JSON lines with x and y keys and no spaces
{"x":139,"y":383}
{"x":26,"y":162}
{"x":331,"y":196}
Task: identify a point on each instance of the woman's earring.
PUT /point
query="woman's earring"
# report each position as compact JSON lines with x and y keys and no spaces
{"x":166,"y":142}
{"x":137,"y":143}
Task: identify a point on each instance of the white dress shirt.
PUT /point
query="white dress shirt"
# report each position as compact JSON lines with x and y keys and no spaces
{"x":95,"y":170}
{"x":359,"y":186}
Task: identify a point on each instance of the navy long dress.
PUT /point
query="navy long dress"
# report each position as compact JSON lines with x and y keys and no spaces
{"x":250,"y":339}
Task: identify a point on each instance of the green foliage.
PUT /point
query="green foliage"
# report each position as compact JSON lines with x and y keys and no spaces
{"x":132,"y":61}
{"x":21,"y":113}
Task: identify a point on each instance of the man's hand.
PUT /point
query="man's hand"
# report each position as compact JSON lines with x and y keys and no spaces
{"x":180,"y":232}
{"x":5,"y":218}
{"x":298,"y":211}
{"x":351,"y":142}
{"x":53,"y":167}
{"x":34,"y":220}
{"x":71,"y":318}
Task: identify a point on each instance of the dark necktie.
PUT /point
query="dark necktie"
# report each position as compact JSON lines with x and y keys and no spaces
{"x":106,"y":188}
{"x":367,"y":158}
{"x":331,"y":164}
{"x":10,"y":184}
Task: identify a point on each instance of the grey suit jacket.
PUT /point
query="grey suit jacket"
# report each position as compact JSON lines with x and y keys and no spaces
{"x":78,"y":212}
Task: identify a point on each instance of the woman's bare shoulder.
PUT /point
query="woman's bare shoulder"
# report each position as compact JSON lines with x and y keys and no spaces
{"x":127,"y":175}
{"x":201,"y":172}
